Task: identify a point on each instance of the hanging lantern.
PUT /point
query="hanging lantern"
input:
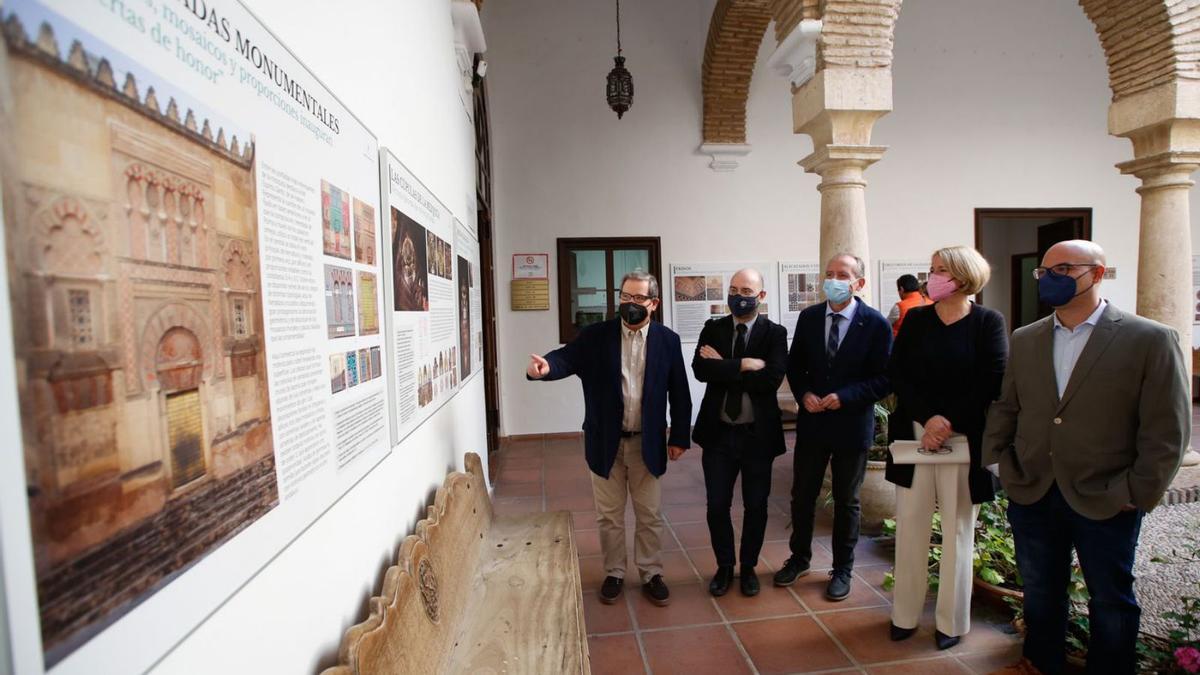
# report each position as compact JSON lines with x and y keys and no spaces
{"x":620,"y":81}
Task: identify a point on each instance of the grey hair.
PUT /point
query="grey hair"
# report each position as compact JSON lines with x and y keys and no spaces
{"x":860,"y":267}
{"x":639,"y":275}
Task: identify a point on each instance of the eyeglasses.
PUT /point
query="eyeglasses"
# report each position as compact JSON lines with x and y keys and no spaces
{"x":940,"y":450}
{"x":1061,"y":269}
{"x":745,"y":292}
{"x":639,"y":299}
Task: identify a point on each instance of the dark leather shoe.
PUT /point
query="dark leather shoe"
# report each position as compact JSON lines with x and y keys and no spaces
{"x":721,"y":580}
{"x":839,"y":586}
{"x":656,"y":591}
{"x":792,"y":569}
{"x":611,"y":590}
{"x":749,"y":582}
{"x":897,"y":633}
{"x":945,"y":641}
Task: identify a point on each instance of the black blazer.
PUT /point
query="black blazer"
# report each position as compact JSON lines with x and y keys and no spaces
{"x":858,"y":375}
{"x":595,"y":356}
{"x":768,"y":341}
{"x":971,"y":393}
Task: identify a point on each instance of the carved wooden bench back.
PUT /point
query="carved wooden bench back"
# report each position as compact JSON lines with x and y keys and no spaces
{"x":416,"y":619}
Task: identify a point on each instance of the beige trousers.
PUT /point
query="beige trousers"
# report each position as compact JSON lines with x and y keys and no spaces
{"x":629,"y":477}
{"x":946,"y":485}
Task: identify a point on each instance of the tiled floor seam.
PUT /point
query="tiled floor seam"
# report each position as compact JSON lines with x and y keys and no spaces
{"x":845,"y":652}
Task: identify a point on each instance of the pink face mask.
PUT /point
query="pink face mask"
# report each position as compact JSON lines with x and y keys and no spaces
{"x":940,"y":287}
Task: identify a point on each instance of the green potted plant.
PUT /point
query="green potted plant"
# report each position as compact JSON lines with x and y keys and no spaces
{"x":996,"y":575}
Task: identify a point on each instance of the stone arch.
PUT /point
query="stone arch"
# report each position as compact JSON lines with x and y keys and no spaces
{"x":1147,"y":42}
{"x":178,"y":359}
{"x":169,"y":316}
{"x":734,"y":34}
{"x":855,"y":33}
{"x":68,"y":240}
{"x":237,"y":265}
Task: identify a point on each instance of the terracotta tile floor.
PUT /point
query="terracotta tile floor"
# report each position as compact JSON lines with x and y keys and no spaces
{"x":782,"y":630}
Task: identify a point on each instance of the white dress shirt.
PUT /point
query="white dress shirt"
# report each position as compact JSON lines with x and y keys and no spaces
{"x":633,"y":373}
{"x":1069,"y":344}
{"x":847,"y":315}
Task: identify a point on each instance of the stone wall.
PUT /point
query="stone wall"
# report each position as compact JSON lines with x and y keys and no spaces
{"x":89,"y":592}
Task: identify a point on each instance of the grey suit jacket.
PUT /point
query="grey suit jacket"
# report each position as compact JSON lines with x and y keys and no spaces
{"x":1120,"y":430}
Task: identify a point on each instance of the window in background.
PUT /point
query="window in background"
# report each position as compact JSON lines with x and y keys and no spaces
{"x":589,"y":277}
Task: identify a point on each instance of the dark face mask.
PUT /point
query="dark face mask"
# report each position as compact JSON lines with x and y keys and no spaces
{"x":741,"y":306}
{"x":633,"y":313}
{"x":1057,"y":290}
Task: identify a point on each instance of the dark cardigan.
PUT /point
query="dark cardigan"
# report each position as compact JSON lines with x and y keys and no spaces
{"x":934,"y":373}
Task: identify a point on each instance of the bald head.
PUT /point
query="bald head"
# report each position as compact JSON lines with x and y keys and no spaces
{"x":747,"y":278}
{"x":1075,"y":251}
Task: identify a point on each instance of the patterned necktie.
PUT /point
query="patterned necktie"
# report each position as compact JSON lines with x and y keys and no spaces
{"x":831,"y":346}
{"x":733,"y":394}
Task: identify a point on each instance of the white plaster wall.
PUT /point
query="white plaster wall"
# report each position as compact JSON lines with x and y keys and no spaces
{"x":392,"y":63}
{"x":998,"y":103}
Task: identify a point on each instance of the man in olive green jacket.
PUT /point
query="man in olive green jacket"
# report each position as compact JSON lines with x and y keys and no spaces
{"x":1092,"y":422}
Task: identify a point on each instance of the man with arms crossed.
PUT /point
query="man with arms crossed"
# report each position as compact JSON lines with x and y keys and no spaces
{"x":741,"y":357}
{"x":1093,"y":418}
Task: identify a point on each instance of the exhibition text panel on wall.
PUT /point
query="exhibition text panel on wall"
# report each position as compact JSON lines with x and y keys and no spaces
{"x":191,"y":231}
{"x":434,"y":311}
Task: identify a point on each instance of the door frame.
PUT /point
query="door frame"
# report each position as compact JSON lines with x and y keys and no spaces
{"x":1059,"y":213}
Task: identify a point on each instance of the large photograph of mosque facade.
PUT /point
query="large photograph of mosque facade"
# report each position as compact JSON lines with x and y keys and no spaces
{"x":133,"y":261}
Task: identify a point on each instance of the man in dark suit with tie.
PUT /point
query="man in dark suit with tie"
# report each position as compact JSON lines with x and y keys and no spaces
{"x":742,"y":358}
{"x":838,"y":368}
{"x":630,"y":367}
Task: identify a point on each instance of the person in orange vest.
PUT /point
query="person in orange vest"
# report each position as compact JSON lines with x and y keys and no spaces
{"x":909,"y":290}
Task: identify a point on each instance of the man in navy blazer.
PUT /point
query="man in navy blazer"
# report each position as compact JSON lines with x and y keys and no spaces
{"x":837,"y":368}
{"x":630,"y":367}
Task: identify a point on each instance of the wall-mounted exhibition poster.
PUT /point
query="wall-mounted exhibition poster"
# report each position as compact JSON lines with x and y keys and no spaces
{"x":698,"y":291}
{"x":889,"y":272}
{"x":422,"y":324}
{"x":800,"y":286}
{"x":178,"y":224}
{"x":470,"y":302}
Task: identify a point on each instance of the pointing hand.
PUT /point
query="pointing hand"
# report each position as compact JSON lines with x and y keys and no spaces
{"x":538,"y":367}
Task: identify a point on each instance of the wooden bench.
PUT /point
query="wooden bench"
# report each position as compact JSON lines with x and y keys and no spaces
{"x":475,"y":592}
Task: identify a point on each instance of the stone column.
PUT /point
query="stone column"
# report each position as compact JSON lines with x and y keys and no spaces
{"x":1164,"y":283}
{"x":843,"y":199}
{"x":838,"y":108}
{"x":1164,"y":125}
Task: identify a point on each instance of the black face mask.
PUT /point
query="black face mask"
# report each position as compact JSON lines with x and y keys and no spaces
{"x":633,"y":313}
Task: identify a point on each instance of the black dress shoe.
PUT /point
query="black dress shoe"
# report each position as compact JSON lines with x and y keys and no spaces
{"x":749,"y":582}
{"x":656,"y":591}
{"x":792,"y":569}
{"x":721,"y":580}
{"x":945,"y":641}
{"x":611,"y":590}
{"x":897,"y":633}
{"x":839,"y":586}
